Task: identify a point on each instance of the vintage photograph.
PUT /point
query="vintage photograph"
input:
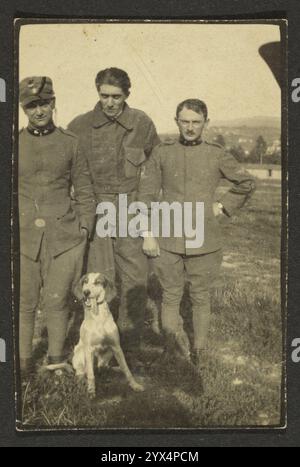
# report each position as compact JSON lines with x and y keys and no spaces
{"x":149,"y":234}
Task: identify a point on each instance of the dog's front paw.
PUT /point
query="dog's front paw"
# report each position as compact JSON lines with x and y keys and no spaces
{"x":137,"y":387}
{"x":91,"y":389}
{"x":92,"y":394}
{"x":80,"y":377}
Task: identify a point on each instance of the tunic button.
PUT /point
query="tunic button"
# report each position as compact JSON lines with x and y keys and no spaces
{"x":40,"y":223}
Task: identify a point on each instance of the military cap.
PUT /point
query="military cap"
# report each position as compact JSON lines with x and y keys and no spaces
{"x":35,"y":88}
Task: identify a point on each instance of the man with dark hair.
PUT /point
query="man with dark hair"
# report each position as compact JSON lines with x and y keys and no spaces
{"x":189,"y":170}
{"x":53,"y":227}
{"x":114,"y":77}
{"x":193,"y":104}
{"x":117,"y":141}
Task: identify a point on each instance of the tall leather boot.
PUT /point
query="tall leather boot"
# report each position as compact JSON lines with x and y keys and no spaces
{"x":57,"y":325}
{"x":201,"y":323}
{"x":172,"y":324}
{"x":26,"y":331}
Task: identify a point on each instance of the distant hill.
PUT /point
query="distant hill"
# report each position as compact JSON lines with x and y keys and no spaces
{"x":253,"y":122}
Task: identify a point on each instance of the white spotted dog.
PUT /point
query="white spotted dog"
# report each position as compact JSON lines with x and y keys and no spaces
{"x":99,"y":335}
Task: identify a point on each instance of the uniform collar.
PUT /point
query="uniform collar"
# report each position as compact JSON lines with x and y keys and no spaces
{"x":184,"y":142}
{"x":47,"y":130}
{"x":124,"y":119}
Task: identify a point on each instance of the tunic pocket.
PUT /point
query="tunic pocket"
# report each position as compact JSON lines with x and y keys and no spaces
{"x":69,"y":221}
{"x":134,"y":157}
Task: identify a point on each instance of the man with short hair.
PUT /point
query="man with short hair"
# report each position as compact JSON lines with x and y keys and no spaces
{"x":53,"y":226}
{"x":117,"y":141}
{"x":189,"y":170}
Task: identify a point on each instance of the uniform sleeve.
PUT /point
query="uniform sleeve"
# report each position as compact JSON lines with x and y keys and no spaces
{"x":243,"y":183}
{"x":152,"y":139}
{"x":83,"y":195}
{"x":73,"y":125}
{"x":150,"y":176}
{"x":150,"y":180}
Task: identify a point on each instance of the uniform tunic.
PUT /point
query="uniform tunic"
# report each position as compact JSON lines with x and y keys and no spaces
{"x":115,"y":149}
{"x":180,"y":173}
{"x":48,"y":165}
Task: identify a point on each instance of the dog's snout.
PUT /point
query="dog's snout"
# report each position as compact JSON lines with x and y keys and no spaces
{"x":86,"y":292}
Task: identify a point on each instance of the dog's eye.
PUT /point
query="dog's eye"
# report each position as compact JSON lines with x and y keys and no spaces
{"x":85,"y":281}
{"x":97,"y":282}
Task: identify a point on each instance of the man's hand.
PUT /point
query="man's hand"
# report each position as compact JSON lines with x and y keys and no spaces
{"x":84,"y":232}
{"x":218,"y":209}
{"x":151,"y":247}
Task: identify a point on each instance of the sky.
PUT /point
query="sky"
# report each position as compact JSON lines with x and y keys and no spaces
{"x":167,"y":63}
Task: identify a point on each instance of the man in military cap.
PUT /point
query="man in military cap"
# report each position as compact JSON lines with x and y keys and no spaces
{"x":117,"y":141}
{"x":53,"y":227}
{"x":189,"y":170}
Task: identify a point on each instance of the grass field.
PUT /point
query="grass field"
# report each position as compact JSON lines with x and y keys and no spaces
{"x":241,"y":383}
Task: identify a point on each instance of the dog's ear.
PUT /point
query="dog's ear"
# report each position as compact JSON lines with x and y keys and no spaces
{"x":110,"y":289}
{"x":77,"y":288}
{"x":83,"y":279}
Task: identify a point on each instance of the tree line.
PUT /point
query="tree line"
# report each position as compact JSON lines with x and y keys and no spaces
{"x":257,"y":155}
